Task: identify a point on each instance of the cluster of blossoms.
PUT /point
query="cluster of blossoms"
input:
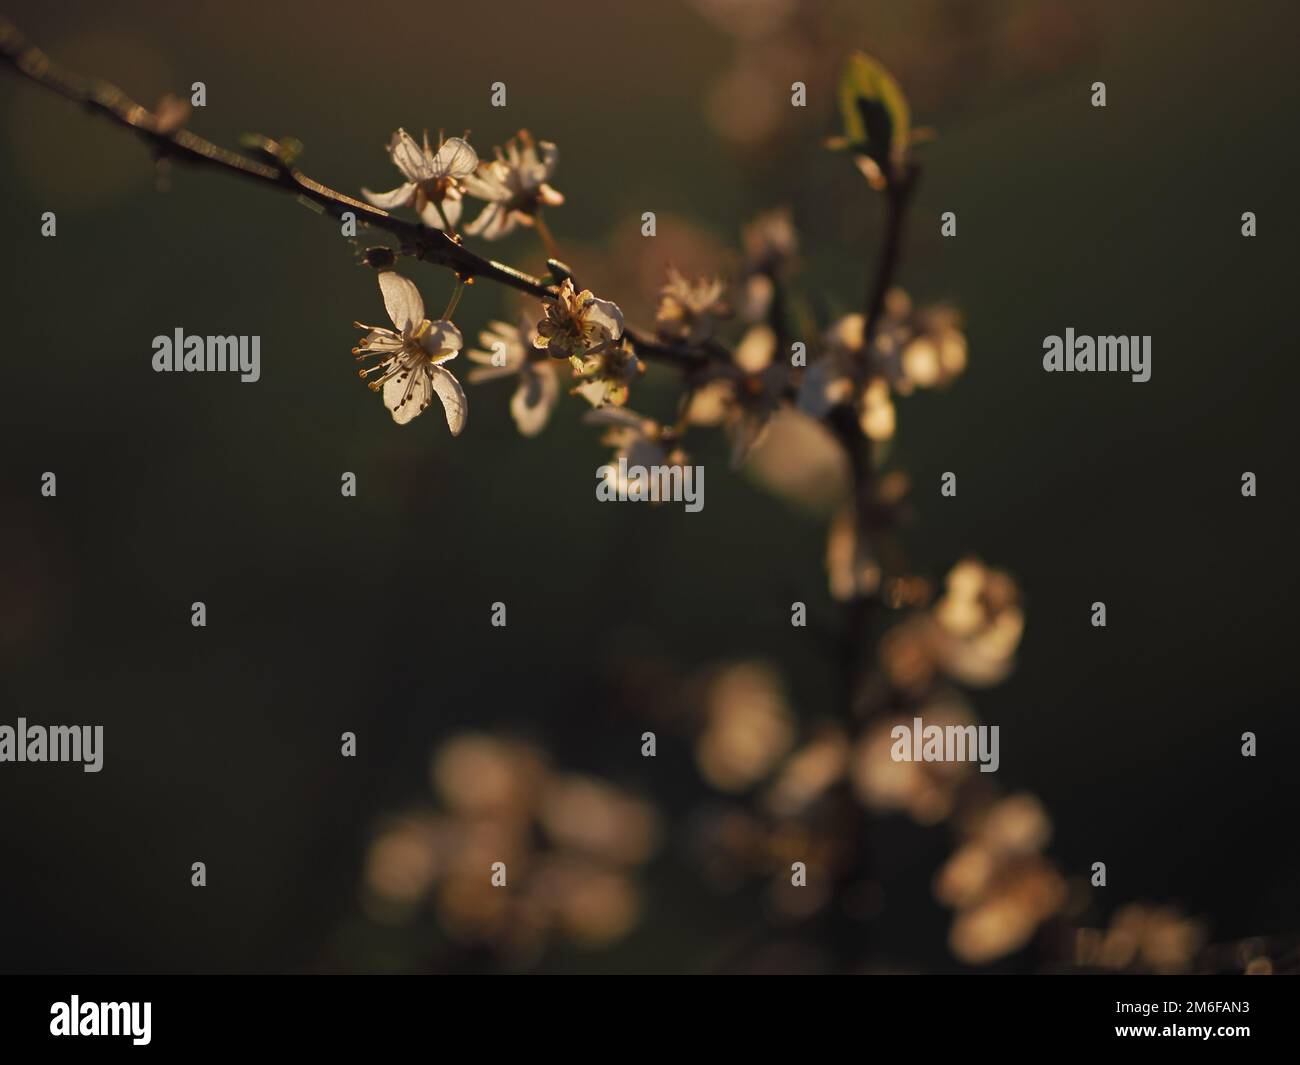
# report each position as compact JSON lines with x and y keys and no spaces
{"x":575,"y":327}
{"x":996,"y":880}
{"x":1155,"y":939}
{"x":847,"y":365}
{"x":792,"y":390}
{"x":569,"y":847}
{"x":514,"y":185}
{"x":745,"y":379}
{"x":742,"y":381}
{"x":807,"y":789}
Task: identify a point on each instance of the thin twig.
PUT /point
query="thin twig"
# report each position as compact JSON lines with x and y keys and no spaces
{"x":421,"y":242}
{"x":843,"y":422}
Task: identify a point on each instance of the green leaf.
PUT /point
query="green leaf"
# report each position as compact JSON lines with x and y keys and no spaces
{"x":877,"y":121}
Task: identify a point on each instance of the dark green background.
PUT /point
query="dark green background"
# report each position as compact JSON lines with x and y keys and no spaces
{"x":371,"y":614}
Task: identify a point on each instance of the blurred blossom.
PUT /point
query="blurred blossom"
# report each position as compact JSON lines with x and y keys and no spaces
{"x":980,"y":624}
{"x":770,"y":242}
{"x":925,"y":790}
{"x":808,"y":773}
{"x":971,"y":634}
{"x":1003,"y":917}
{"x":689,"y":311}
{"x":635,"y":267}
{"x":402,"y":861}
{"x":747,"y":727}
{"x":756,"y":349}
{"x":569,"y":843}
{"x":472,"y":911}
{"x":917,"y":348}
{"x":588,"y":815}
{"x":800,"y":460}
{"x":509,"y":350}
{"x":906,"y":653}
{"x":743,"y":394}
{"x":604,"y":379}
{"x":966,"y":875}
{"x":910,"y":349}
{"x":828,"y":381}
{"x":641,"y":441}
{"x":770,"y":245}
{"x":1148,"y":938}
{"x":998,"y":882}
{"x":710,"y":403}
{"x":594,"y":906}
{"x":877,"y":416}
{"x":999,"y":835}
{"x":1017,"y":824}
{"x":755,"y":300}
{"x":481,"y":774}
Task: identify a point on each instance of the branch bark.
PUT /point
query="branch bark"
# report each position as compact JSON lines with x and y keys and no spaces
{"x":843,"y":421}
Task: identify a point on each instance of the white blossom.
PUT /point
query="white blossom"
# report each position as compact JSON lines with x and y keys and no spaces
{"x":514,"y":184}
{"x":433,"y":178}
{"x":410,"y":357}
{"x":508,"y":350}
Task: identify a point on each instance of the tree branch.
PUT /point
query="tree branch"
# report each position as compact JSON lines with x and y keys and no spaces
{"x":843,"y":422}
{"x":898,"y":194}
{"x":429,"y":245}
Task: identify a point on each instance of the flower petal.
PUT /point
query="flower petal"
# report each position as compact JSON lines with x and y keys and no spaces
{"x":487,"y":183}
{"x":503,"y":346}
{"x":443,"y":341}
{"x":383,"y":341}
{"x":401,"y":300}
{"x":398,"y":197}
{"x":409,"y":157}
{"x":409,"y":390}
{"x":617,"y":416}
{"x":756,"y":349}
{"x":482,"y":374}
{"x":455,"y":159}
{"x":606,"y":316}
{"x":535,"y":398}
{"x":451,"y":207}
{"x":452,"y":396}
{"x":494,"y":222}
{"x":550,"y":156}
